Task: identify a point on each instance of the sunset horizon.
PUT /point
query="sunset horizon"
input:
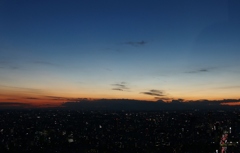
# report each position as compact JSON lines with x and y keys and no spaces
{"x":54,"y":52}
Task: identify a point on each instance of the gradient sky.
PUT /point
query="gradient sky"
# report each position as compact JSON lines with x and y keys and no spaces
{"x":52,"y":51}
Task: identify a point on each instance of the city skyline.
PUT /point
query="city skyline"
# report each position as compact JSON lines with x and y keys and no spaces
{"x":54,"y":52}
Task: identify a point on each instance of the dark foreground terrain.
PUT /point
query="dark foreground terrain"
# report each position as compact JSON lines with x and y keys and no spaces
{"x":122,"y":131}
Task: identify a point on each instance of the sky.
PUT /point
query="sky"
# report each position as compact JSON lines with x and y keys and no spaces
{"x":55,"y":51}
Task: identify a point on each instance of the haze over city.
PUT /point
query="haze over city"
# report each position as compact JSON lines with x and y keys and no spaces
{"x":52,"y":52}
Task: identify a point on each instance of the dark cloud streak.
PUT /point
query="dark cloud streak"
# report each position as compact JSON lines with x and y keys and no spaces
{"x":136,"y":43}
{"x":44,"y":63}
{"x":14,"y":105}
{"x":202,"y":70}
{"x":154,"y":92}
{"x":120,"y":86}
{"x":199,"y":71}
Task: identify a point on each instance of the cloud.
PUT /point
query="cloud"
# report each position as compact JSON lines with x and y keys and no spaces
{"x":228,"y":87}
{"x":154,"y":92}
{"x":44,"y":63}
{"x":120,"y":86}
{"x":56,"y":98}
{"x":14,"y":67}
{"x":136,"y":43}
{"x":119,"y":89}
{"x":3,"y":62}
{"x":32,"y":98}
{"x":12,"y":99}
{"x":30,"y":90}
{"x":8,"y":65}
{"x":107,"y":69}
{"x":14,"y":105}
{"x":199,"y":71}
{"x":202,"y":70}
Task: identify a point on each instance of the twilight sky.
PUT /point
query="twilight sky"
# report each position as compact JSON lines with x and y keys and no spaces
{"x":54,"y":51}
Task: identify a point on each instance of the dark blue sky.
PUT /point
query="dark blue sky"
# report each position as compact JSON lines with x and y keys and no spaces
{"x":120,"y":49}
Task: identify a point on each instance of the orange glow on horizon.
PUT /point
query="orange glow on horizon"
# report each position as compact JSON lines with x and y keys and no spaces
{"x":231,"y":103}
{"x":49,"y":98}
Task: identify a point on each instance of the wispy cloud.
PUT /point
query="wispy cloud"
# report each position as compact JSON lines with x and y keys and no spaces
{"x":32,"y":98}
{"x":56,"y":98}
{"x":154,"y":92}
{"x":8,"y":65}
{"x":14,"y":105}
{"x":12,"y":99}
{"x":3,"y":62}
{"x":30,"y":90}
{"x":44,"y":63}
{"x":120,"y":86}
{"x":136,"y":43}
{"x":227,"y":87}
{"x":47,"y":98}
{"x":203,"y":70}
{"x":107,"y":69}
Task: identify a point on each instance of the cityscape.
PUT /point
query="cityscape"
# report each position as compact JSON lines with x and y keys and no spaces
{"x":61,"y":130}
